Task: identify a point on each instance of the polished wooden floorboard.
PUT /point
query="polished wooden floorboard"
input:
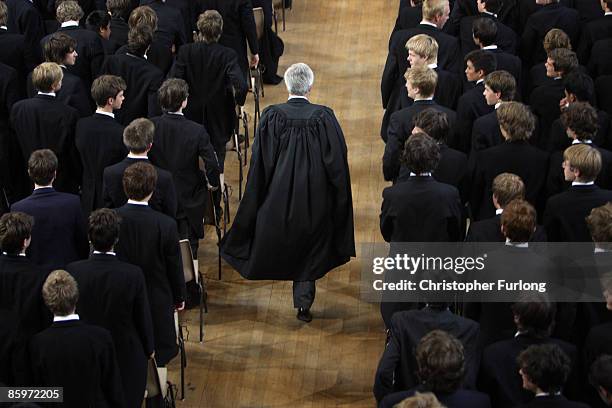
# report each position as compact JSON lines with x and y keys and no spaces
{"x":255,"y":353}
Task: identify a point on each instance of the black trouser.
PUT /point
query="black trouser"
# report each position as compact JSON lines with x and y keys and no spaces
{"x":303,"y":294}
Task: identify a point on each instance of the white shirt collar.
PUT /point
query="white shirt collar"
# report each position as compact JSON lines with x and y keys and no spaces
{"x":4,"y":27}
{"x":426,"y":174}
{"x":19,"y":254}
{"x":517,"y":244}
{"x":479,"y":81}
{"x":489,"y":13}
{"x":105,"y":253}
{"x":490,"y":47}
{"x":498,"y":104}
{"x":101,"y":112}
{"x":608,"y":13}
{"x":557,"y":78}
{"x":137,"y":156}
{"x":581,"y":183}
{"x":73,"y":316}
{"x":175,"y":113}
{"x":70,"y":23}
{"x":586,"y":141}
{"x":424,"y":99}
{"x":499,"y":211}
{"x":137,"y":202}
{"x":432,"y":66}
{"x":41,"y":187}
{"x":596,"y":251}
{"x":428,"y":23}
{"x":46,"y":93}
{"x":297,"y":97}
{"x":547,"y":394}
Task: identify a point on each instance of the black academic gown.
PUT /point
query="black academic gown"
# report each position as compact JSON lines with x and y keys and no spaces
{"x":178,"y":145}
{"x":297,"y":198}
{"x":22,"y":313}
{"x":238,"y":27}
{"x":149,"y":239}
{"x":143,"y":80}
{"x":112,"y":295}
{"x":212,"y":70}
{"x":80,"y":358}
{"x":99,"y":140}
{"x":43,"y":122}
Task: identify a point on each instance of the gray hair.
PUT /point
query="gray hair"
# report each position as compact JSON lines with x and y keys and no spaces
{"x":299,"y":79}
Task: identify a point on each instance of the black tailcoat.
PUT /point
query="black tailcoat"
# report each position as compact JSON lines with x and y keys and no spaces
{"x":565,"y":213}
{"x":212,"y":71}
{"x":599,"y":29}
{"x":43,"y":122}
{"x":143,"y":80}
{"x":90,"y":49}
{"x":238,"y":27}
{"x":170,"y":23}
{"x":499,"y":370}
{"x":24,"y":18}
{"x":400,"y":128}
{"x":397,"y":366}
{"x":470,"y":107}
{"x":435,"y":213}
{"x":149,"y":239}
{"x":520,"y":158}
{"x":22,"y":313}
{"x":112,"y":294}
{"x":178,"y":145}
{"x":601,"y":55}
{"x":99,"y":140}
{"x":297,"y":198}
{"x":59,"y":234}
{"x":164,"y":195}
{"x":80,"y":358}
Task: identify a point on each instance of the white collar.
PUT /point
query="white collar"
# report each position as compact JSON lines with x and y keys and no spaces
{"x":479,"y":81}
{"x":517,"y":244}
{"x":137,"y":156}
{"x":557,"y":78}
{"x":104,"y":253}
{"x":137,"y":202}
{"x":428,"y":23}
{"x":490,"y":47}
{"x":70,"y":23}
{"x":582,"y":183}
{"x":297,"y":97}
{"x":424,"y":99}
{"x":426,"y":174}
{"x":499,"y":211}
{"x":73,"y":316}
{"x":4,"y":27}
{"x":596,"y":251}
{"x":547,"y":394}
{"x":175,"y":113}
{"x":41,"y":187}
{"x":432,"y":66}
{"x":46,"y":93}
{"x":608,"y":13}
{"x":19,"y":254}
{"x":489,"y":13}
{"x":101,"y":112}
{"x":587,"y":141}
{"x":498,"y":104}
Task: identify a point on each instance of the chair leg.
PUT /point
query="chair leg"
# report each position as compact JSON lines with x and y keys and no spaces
{"x":283,"y":15}
{"x":183,"y":361}
{"x":201,"y":313}
{"x":275,"y":22}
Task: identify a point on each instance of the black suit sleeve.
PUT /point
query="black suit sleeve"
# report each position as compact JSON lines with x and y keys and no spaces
{"x":96,"y":55}
{"x":393,"y":149}
{"x":390,"y":73}
{"x":142,"y":316}
{"x":387,"y":217}
{"x":236,"y":78}
{"x":207,"y":153}
{"x":153,"y":104}
{"x":247,"y":20}
{"x":110,"y":376}
{"x":384,"y":380}
{"x":80,"y":233}
{"x":174,"y":267}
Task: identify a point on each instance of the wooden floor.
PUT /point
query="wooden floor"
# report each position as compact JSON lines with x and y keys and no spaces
{"x":255,"y":353}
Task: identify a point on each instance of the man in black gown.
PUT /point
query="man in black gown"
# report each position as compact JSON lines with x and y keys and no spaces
{"x":295,"y":221}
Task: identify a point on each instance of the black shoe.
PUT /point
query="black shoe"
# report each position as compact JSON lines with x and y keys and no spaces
{"x":304,"y":315}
